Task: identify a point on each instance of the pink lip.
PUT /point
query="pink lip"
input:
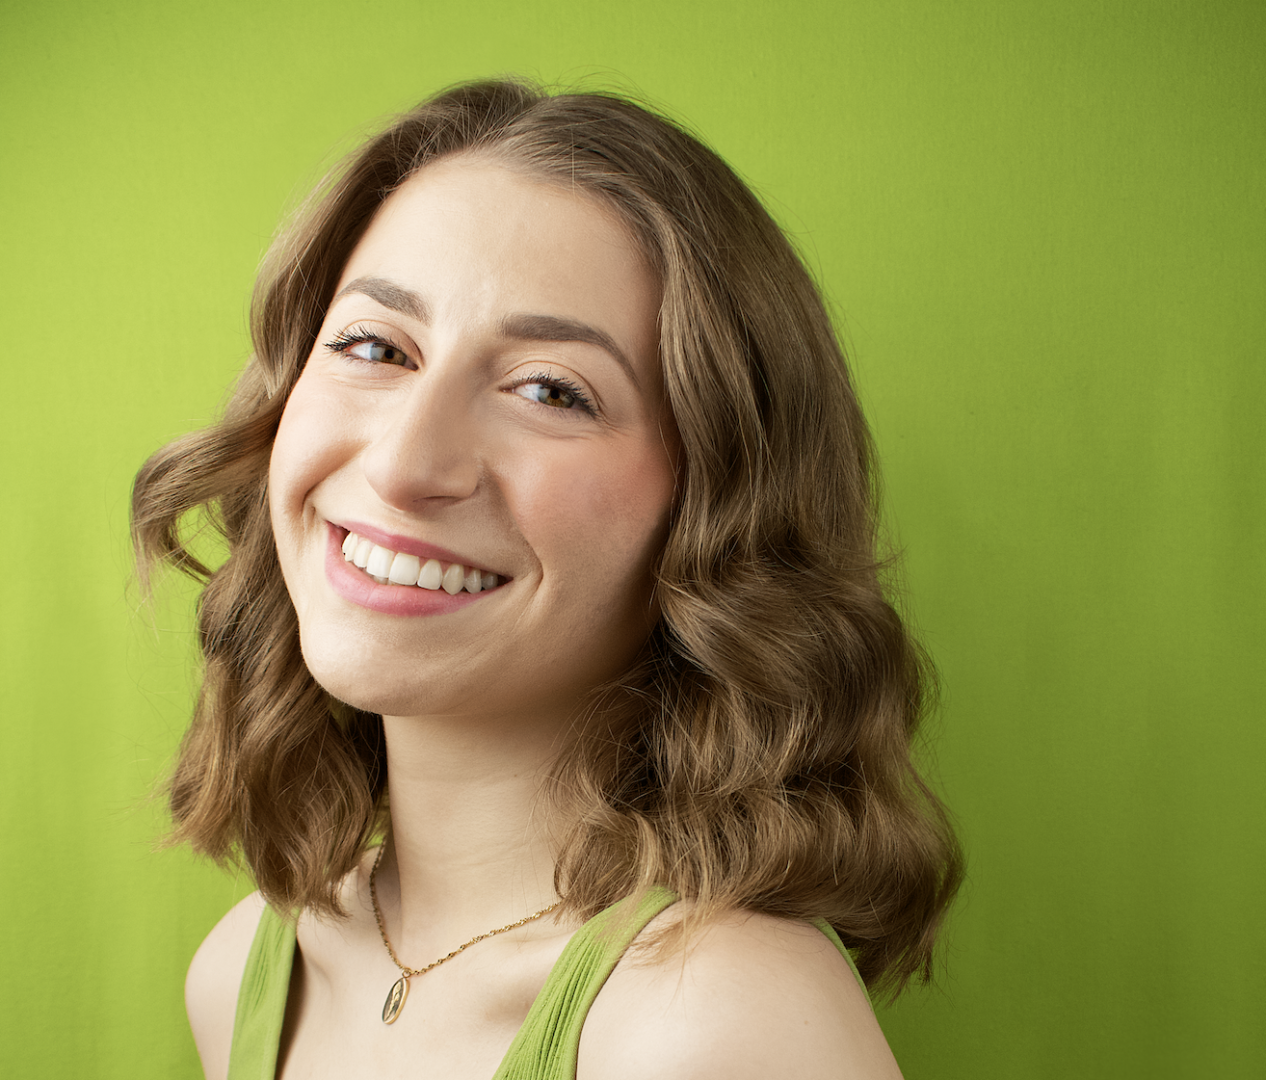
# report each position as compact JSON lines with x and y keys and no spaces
{"x":358,"y":588}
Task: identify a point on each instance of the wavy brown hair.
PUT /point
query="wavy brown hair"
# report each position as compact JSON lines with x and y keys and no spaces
{"x":758,"y":755}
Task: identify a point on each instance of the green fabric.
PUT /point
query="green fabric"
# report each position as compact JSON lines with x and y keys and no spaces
{"x":546,"y":1045}
{"x":261,"y":1001}
{"x":829,"y":931}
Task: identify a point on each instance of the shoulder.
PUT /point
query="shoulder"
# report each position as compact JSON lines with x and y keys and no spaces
{"x":211,"y":987}
{"x":751,"y":996}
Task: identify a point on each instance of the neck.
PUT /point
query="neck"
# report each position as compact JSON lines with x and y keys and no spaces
{"x":470,"y":845}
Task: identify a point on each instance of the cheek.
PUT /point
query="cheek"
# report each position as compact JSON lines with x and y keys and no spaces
{"x":602,"y":515}
{"x":289,"y":458}
{"x":309,"y":443}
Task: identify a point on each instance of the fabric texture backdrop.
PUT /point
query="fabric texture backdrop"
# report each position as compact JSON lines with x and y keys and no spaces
{"x":1041,"y":227}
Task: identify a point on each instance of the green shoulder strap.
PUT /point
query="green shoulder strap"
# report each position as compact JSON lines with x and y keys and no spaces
{"x":261,"y":1002}
{"x":829,"y":931}
{"x":545,"y":1047}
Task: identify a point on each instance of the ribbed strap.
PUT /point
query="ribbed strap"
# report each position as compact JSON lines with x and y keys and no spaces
{"x":546,"y":1046}
{"x":261,"y":1002}
{"x":829,"y":931}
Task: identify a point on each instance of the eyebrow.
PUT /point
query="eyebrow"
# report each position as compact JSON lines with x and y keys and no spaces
{"x":390,"y":295}
{"x":555,"y":328}
{"x":518,"y":327}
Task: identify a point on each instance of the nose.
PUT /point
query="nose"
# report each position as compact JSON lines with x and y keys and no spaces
{"x":423,"y":444}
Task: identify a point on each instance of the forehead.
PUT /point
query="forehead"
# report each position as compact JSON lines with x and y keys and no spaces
{"x":478,"y":237}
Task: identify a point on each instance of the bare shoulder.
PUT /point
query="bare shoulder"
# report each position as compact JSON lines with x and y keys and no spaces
{"x":211,"y":987}
{"x":752,"y":996}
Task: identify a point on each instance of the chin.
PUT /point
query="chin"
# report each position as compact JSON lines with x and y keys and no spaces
{"x":388,"y":701}
{"x":392,"y":687}
{"x":364,"y":683}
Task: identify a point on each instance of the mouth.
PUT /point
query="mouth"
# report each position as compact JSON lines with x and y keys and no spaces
{"x":388,"y":567}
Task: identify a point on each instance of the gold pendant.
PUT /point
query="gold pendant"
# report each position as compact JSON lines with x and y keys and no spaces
{"x":395,"y":1000}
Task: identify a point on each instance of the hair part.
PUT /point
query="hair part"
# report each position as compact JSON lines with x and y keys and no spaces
{"x":758,"y":756}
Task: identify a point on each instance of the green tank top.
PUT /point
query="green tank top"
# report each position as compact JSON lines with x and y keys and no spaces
{"x":545,"y":1047}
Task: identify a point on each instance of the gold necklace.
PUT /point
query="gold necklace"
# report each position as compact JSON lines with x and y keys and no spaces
{"x":400,"y":988}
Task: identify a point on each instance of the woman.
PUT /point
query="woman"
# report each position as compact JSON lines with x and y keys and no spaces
{"x":551,"y":622}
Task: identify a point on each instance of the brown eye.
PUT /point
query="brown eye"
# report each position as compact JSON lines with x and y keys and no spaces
{"x":378,"y":352}
{"x":367,"y":348}
{"x":551,"y":394}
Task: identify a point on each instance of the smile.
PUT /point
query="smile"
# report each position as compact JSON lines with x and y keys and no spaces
{"x":389,"y":567}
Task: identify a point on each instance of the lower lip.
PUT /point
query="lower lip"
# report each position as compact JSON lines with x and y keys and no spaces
{"x":357,"y":587}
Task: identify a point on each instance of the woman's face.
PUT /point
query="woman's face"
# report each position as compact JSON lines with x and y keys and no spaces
{"x":485,"y":392}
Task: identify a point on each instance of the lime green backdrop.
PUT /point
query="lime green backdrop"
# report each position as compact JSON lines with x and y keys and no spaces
{"x":1042,"y":227}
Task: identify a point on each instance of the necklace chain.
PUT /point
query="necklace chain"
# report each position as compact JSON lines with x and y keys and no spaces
{"x":408,"y":972}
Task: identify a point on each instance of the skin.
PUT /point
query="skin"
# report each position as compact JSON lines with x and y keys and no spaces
{"x":440,"y":416}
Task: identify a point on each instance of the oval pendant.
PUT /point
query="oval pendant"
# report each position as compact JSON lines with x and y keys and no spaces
{"x":395,"y":1000}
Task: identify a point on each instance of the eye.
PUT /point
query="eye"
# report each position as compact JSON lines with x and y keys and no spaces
{"x":554,"y":393}
{"x":368,"y":348}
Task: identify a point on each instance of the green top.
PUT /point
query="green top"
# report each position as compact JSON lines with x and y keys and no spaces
{"x":545,"y":1047}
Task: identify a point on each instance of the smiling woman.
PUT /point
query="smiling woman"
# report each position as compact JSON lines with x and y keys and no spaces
{"x":551,"y":628}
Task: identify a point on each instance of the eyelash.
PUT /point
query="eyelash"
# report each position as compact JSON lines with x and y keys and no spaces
{"x":554,"y":382}
{"x":346,"y":340}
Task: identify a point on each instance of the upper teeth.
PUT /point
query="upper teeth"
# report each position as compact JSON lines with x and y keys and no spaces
{"x":389,"y":567}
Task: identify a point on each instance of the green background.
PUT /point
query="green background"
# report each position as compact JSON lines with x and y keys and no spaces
{"x":1041,"y":226}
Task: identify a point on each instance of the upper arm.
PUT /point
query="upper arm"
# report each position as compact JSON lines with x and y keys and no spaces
{"x":211,"y":987}
{"x":752,"y":997}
